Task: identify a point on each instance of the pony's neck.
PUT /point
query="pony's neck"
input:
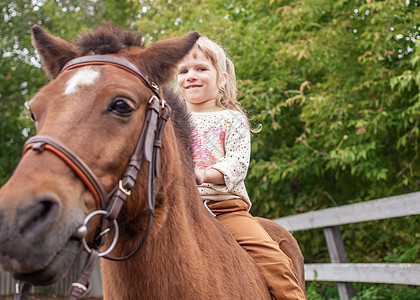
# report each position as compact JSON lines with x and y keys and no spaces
{"x":180,"y":243}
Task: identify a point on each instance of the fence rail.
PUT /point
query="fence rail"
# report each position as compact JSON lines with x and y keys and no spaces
{"x":373,"y":273}
{"x":384,"y":208}
{"x":339,"y":270}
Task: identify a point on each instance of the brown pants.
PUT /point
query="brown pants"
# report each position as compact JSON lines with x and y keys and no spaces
{"x":273,"y":263}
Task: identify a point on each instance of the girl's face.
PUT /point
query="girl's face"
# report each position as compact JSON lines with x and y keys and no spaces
{"x":197,"y":81}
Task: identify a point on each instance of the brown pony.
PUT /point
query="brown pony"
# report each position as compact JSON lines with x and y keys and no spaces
{"x":97,"y":110}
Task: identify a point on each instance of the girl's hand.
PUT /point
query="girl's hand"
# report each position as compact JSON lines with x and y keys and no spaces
{"x":199,"y":177}
{"x":209,"y":176}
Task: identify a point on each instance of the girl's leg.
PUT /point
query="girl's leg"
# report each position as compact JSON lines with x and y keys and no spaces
{"x":273,"y":263}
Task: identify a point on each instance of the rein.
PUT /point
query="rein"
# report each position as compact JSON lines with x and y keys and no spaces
{"x":148,"y":148}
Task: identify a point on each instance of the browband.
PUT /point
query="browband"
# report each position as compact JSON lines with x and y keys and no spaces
{"x":113,"y":61}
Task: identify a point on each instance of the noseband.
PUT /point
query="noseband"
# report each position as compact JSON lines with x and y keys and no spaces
{"x":148,"y":147}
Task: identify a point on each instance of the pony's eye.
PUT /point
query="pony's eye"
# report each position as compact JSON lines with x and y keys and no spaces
{"x":32,"y":115}
{"x":121,"y":108}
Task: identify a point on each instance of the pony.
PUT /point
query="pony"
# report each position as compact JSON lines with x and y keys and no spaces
{"x":101,"y":166}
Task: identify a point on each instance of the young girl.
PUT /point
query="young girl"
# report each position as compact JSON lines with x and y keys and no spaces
{"x":221,"y":144}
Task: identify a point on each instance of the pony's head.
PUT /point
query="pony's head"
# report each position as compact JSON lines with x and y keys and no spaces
{"x":96,"y":112}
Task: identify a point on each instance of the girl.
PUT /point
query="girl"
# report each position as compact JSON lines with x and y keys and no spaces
{"x":221,"y":145}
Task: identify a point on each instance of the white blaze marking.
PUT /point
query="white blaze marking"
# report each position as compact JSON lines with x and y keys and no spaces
{"x":85,"y":76}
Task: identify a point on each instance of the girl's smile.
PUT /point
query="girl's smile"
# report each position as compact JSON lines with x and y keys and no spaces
{"x":191,"y":86}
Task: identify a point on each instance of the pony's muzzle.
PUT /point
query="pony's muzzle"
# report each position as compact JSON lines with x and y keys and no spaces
{"x":28,"y":226}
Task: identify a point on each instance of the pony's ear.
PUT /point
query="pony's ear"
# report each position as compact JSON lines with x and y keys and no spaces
{"x":55,"y":52}
{"x":159,"y":59}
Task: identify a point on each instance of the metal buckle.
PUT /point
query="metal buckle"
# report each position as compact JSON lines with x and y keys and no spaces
{"x":122,"y":189}
{"x":80,"y":286}
{"x":154,"y":98}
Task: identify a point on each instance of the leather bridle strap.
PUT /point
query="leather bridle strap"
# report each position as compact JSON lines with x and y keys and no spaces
{"x":148,"y":147}
{"x":144,"y":146}
{"x":81,"y":288}
{"x":22,"y":290}
{"x":113,"y":61}
{"x":40,"y":143}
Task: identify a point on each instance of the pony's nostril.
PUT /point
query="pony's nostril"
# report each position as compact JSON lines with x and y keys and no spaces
{"x":38,"y":217}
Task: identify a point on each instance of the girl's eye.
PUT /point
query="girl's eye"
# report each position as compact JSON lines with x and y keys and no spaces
{"x":183,"y":71}
{"x":202,"y":69}
{"x":121,"y":108}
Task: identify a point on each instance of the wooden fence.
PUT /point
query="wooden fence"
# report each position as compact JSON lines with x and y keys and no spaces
{"x":339,"y":270}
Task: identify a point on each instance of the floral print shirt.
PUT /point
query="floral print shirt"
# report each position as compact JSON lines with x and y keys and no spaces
{"x":222,"y":141}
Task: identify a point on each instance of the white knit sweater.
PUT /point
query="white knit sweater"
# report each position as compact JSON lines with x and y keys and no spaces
{"x":222,"y":141}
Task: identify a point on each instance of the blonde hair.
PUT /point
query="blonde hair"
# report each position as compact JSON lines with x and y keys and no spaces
{"x":226,"y":97}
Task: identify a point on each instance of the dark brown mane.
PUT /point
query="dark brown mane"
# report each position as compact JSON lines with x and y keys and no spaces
{"x":107,"y":39}
{"x":181,"y":120}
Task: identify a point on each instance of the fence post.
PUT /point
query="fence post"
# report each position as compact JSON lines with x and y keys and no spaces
{"x":338,"y":255}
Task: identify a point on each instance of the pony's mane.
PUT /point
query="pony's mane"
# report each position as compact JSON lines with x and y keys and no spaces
{"x":107,"y":39}
{"x":181,"y":119}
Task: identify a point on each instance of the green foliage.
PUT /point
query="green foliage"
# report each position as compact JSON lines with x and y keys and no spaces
{"x":386,"y":292}
{"x":320,"y":291}
{"x":328,"y":291}
{"x":331,"y":106}
{"x":334,"y":83}
{"x":390,"y":241}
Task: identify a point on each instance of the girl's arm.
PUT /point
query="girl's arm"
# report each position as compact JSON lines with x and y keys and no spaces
{"x":237,"y":153}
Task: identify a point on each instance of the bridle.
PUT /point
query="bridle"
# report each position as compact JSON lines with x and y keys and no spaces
{"x":109,"y":206}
